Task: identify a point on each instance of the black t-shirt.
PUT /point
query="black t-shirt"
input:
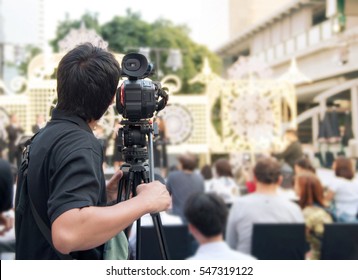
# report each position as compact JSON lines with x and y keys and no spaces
{"x":65,"y":172}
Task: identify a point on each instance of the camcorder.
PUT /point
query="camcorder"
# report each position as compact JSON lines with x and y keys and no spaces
{"x":137,"y":98}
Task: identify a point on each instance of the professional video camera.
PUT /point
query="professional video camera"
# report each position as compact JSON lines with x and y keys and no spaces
{"x":137,"y":100}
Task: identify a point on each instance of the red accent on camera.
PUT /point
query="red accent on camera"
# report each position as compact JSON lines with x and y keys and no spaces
{"x":122,"y":95}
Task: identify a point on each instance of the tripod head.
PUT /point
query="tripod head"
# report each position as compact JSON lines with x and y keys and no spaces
{"x":133,"y":140}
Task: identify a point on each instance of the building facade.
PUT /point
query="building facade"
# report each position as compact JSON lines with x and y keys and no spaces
{"x":322,"y":37}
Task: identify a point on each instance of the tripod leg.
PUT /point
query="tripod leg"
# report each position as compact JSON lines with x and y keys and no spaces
{"x":120,"y":189}
{"x":128,"y":184}
{"x":157,"y":222}
{"x":138,"y":241}
{"x":135,"y":182}
{"x":123,"y":184}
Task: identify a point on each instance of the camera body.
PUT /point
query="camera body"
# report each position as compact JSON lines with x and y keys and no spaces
{"x":137,"y":98}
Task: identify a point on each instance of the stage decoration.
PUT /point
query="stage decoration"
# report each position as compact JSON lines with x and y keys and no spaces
{"x":179,"y":123}
{"x":79,"y":36}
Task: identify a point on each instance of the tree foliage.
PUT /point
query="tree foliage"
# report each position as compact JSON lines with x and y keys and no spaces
{"x":130,"y":32}
{"x":64,"y":27}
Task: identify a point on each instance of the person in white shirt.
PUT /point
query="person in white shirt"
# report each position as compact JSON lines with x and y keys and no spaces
{"x":263,"y":206}
{"x":207,"y":173}
{"x":343,"y":191}
{"x":223,"y":184}
{"x":206,"y":214}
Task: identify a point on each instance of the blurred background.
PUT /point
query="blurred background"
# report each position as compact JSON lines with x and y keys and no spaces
{"x":240,"y":73}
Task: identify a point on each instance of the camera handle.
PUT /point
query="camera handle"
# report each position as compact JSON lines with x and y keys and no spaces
{"x":133,"y":175}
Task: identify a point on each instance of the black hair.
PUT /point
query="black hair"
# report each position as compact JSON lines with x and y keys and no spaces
{"x":207,"y":212}
{"x":87,"y":78}
{"x":188,"y":161}
{"x":344,"y":168}
{"x":305,"y":164}
{"x":206,"y":172}
{"x":267,"y":171}
{"x":223,"y":168}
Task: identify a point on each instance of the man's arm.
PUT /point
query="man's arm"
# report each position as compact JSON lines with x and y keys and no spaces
{"x":89,"y":227}
{"x":7,"y":222}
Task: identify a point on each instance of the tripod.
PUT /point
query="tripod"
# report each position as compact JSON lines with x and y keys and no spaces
{"x":133,"y":144}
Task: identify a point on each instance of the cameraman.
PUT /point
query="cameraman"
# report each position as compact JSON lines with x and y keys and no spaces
{"x":65,"y":178}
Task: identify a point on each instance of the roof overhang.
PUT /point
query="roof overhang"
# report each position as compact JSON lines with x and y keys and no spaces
{"x":233,"y":46}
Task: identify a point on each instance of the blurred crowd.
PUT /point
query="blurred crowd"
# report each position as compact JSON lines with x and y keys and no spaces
{"x":218,"y":202}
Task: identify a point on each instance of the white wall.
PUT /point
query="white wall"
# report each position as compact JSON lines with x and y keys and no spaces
{"x":245,"y":13}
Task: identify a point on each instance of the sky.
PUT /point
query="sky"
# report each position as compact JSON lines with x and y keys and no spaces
{"x":207,"y":19}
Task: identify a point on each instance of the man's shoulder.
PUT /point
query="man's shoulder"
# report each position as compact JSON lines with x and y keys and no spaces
{"x":253,"y":199}
{"x":65,"y":134}
{"x":289,"y":203}
{"x":242,"y":256}
{"x":291,"y":208}
{"x":63,"y":140}
{"x":175,"y":175}
{"x":248,"y":198}
{"x":224,"y":254}
{"x":282,"y":202}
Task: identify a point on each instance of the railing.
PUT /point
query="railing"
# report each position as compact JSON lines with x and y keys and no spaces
{"x":311,"y":37}
{"x":317,"y":113}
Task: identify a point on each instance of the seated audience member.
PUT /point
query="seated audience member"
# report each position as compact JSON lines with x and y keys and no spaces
{"x":343,"y":191}
{"x":207,"y":173}
{"x":183,"y":182}
{"x":301,"y":165}
{"x":304,"y":165}
{"x":223,"y":183}
{"x":206,"y":214}
{"x":263,"y":206}
{"x":6,"y":196}
{"x":310,"y":193}
{"x":286,"y":188}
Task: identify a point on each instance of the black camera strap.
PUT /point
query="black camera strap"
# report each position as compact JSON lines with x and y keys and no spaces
{"x":45,"y":230}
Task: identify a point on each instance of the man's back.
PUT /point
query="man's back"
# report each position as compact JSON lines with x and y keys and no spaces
{"x":181,"y":185}
{"x":65,"y":172}
{"x":258,"y":208}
